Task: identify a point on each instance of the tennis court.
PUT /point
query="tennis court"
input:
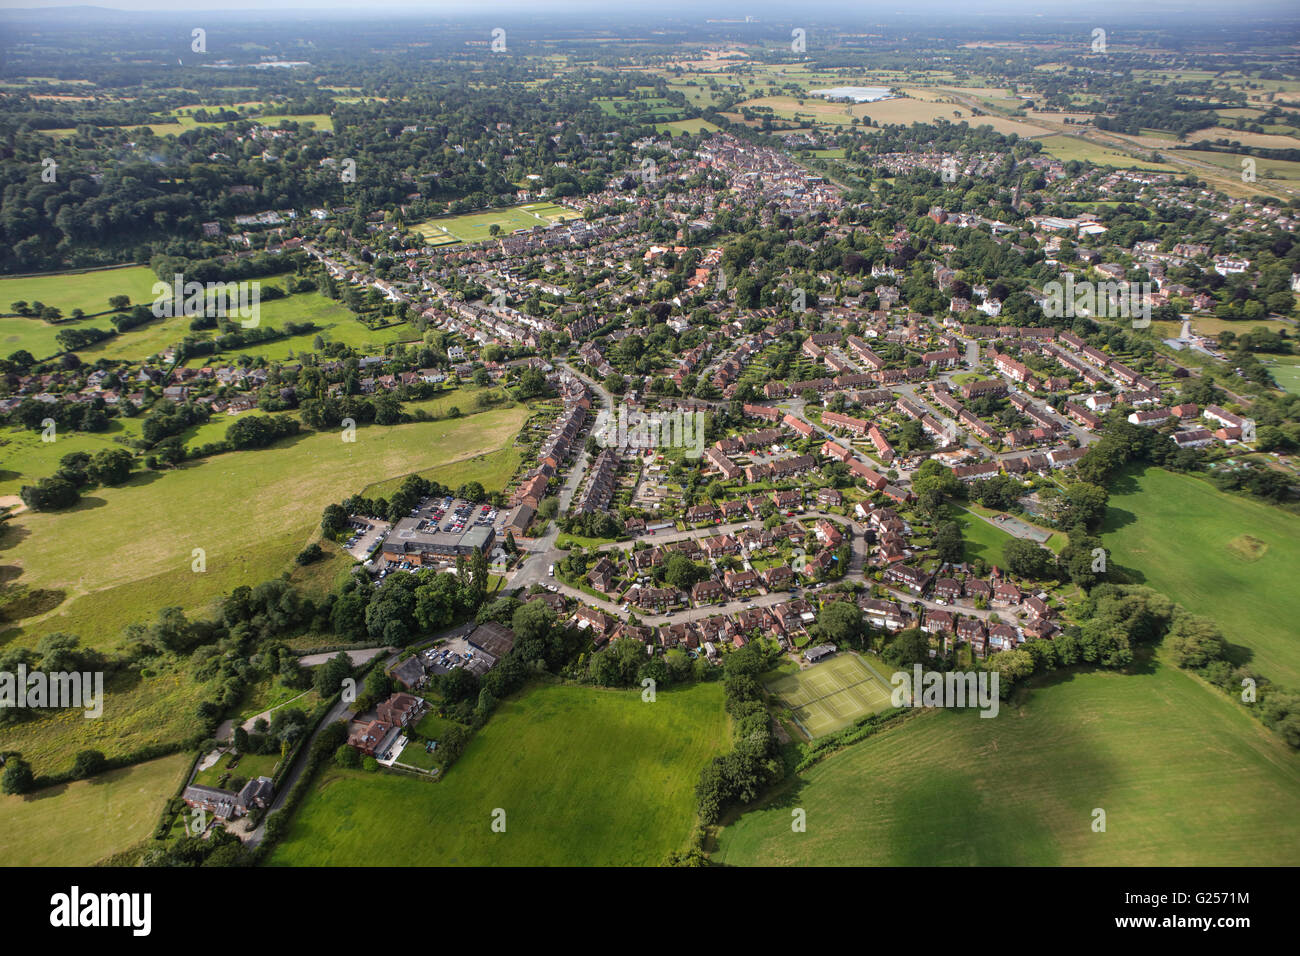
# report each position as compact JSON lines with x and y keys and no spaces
{"x":832,"y":694}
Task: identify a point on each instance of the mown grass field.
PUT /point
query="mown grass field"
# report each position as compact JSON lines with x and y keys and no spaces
{"x":587,"y":777}
{"x":832,"y":694}
{"x":476,"y":226}
{"x":88,"y":291}
{"x":82,"y":823}
{"x":686,"y":126}
{"x":1223,"y":556}
{"x":38,"y":337}
{"x":1287,"y":374}
{"x":249,"y":511}
{"x":985,"y":541}
{"x":335,"y":323}
{"x":1186,"y":777}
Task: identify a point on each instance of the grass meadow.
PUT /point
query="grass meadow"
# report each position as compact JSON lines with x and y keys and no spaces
{"x":1226,"y":557}
{"x":250,"y":512}
{"x":88,"y":291}
{"x":586,"y":777}
{"x":79,"y":824}
{"x":140,"y":710}
{"x":1066,"y":148}
{"x":24,"y":457}
{"x":1186,"y":777}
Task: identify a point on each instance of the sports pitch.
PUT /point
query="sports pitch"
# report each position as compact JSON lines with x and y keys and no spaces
{"x":477,"y":226}
{"x":832,"y":694}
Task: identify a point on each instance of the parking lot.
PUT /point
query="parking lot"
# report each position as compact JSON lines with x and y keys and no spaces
{"x":446,"y":519}
{"x":365,"y":534}
{"x":770,"y":454}
{"x":447,"y":657}
{"x":452,"y":515}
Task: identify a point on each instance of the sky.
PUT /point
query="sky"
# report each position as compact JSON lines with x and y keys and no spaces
{"x":768,"y":9}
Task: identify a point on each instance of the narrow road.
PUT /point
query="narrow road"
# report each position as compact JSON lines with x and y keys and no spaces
{"x":854,"y":532}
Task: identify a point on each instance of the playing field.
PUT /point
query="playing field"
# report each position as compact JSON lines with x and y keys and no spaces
{"x":1287,"y":374}
{"x":477,"y":226}
{"x":1185,"y":776}
{"x":584,"y":776}
{"x":832,"y":694}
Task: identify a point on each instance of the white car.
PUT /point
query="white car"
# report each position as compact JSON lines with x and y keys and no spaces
{"x":551,"y":572}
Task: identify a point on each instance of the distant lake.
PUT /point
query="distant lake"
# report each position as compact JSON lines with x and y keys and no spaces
{"x":858,"y":94}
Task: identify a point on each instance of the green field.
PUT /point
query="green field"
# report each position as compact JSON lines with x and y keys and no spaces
{"x":1287,"y":375}
{"x":24,"y":457}
{"x":686,"y":126}
{"x":476,"y":226}
{"x":250,"y":511}
{"x":1223,"y":556}
{"x":1264,"y":168}
{"x":986,"y":541}
{"x":318,"y":120}
{"x":181,"y":122}
{"x":82,"y":823}
{"x":139,"y":711}
{"x":88,"y":291}
{"x":1185,"y":777}
{"x":587,"y":777}
{"x":335,"y":322}
{"x":39,"y":337}
{"x":1066,"y":148}
{"x":832,"y":694}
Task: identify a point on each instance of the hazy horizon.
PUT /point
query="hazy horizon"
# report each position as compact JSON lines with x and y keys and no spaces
{"x":766,"y":9}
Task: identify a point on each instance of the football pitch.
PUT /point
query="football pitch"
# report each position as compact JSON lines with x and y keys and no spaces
{"x":832,"y":694}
